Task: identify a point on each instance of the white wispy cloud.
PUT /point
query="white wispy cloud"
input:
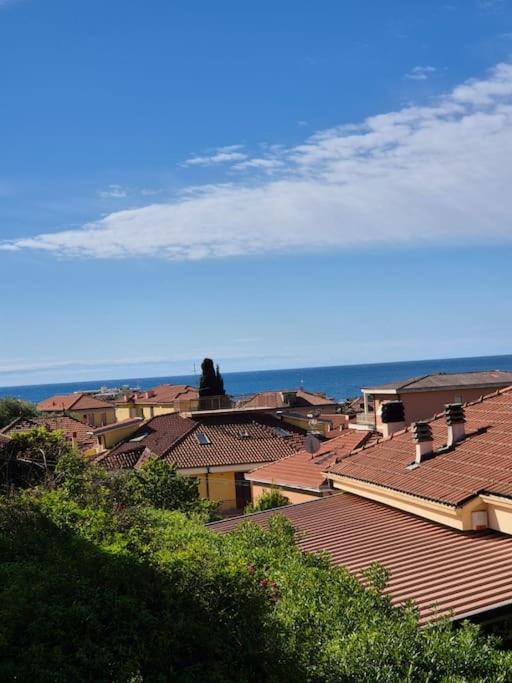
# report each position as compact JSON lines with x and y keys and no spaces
{"x":420,"y":73}
{"x":113,"y":192}
{"x":433,"y":174}
{"x":221,"y":155}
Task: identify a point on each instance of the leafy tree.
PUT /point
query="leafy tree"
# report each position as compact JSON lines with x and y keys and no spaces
{"x":29,"y":457}
{"x":211,"y":382}
{"x":12,"y":408}
{"x":267,"y":501}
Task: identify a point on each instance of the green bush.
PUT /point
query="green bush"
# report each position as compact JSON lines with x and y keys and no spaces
{"x":267,"y":501}
{"x":11,"y":408}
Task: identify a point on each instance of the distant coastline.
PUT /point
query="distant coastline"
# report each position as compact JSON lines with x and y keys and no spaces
{"x":337,"y":381}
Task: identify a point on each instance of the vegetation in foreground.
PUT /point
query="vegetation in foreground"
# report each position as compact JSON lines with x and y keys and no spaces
{"x":12,"y":408}
{"x":116,"y":578}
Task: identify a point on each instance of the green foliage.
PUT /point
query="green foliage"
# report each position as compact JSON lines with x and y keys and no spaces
{"x":110,"y":577}
{"x":267,"y":501}
{"x":31,"y":456}
{"x":11,"y":408}
{"x":211,"y":382}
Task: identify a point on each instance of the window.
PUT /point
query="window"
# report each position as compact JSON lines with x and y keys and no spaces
{"x":202,"y":439}
{"x":139,"y":437}
{"x":243,"y":434}
{"x":282,"y":433}
{"x":457,"y":399}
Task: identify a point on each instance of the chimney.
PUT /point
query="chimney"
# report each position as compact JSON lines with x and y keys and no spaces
{"x":392,"y":417}
{"x":422,"y":437}
{"x":454,"y":415}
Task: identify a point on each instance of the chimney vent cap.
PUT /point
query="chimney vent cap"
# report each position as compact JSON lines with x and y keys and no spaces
{"x":454,"y":414}
{"x":421,"y":432}
{"x":392,"y":411}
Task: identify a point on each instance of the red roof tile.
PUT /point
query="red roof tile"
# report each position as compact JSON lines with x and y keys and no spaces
{"x":163,"y":393}
{"x":446,"y":572}
{"x":72,"y":402}
{"x":282,"y":399}
{"x":304,"y":471}
{"x":481,"y":462}
{"x":234,"y":439}
{"x":71,"y":428}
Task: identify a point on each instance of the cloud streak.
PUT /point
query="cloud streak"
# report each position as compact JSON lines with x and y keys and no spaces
{"x":436,"y":174}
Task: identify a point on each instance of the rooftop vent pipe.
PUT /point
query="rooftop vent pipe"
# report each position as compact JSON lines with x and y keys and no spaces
{"x":422,"y":437}
{"x":392,"y":417}
{"x":454,"y":415}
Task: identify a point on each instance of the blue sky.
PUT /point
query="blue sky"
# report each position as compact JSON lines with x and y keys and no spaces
{"x":274,"y":184}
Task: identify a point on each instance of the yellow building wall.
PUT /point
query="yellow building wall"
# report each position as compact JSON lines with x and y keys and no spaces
{"x":97,"y":417}
{"x":110,"y":439}
{"x":456,"y":517}
{"x":293,"y":496}
{"x":126,"y":411}
{"x":221,"y":486}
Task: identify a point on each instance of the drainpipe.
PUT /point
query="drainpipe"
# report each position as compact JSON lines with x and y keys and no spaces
{"x":207,"y":482}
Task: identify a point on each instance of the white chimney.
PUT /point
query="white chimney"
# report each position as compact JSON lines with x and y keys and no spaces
{"x":422,"y":437}
{"x":454,"y":415}
{"x":392,"y":417}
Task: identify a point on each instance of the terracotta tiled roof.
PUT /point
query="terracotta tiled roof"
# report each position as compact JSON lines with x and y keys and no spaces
{"x":444,"y":380}
{"x":304,"y":471}
{"x":282,"y":399}
{"x":233,"y":439}
{"x":70,"y":427}
{"x":72,"y":402}
{"x":164,"y":393}
{"x":481,"y":462}
{"x":461,"y":573}
{"x":157,"y":435}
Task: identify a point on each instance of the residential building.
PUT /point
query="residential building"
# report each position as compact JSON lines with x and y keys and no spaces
{"x":301,"y":476}
{"x":217,"y":449}
{"x":426,"y":395}
{"x":431,"y":502}
{"x":75,"y":431}
{"x":85,"y":407}
{"x":294,"y":398}
{"x":161,"y":400}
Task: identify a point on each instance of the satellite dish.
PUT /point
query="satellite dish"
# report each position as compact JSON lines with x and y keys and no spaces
{"x":311,"y":444}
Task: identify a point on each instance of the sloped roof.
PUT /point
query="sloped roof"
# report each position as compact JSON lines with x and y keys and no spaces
{"x":70,"y":427}
{"x":156,"y":435}
{"x":482,"y":462}
{"x":446,"y":572}
{"x":444,"y":380}
{"x":3,"y":439}
{"x":305,"y":471}
{"x":163,"y":393}
{"x":233,"y":439}
{"x":72,"y":402}
{"x":285,"y":398}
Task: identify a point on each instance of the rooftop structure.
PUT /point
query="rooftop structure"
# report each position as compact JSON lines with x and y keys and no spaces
{"x":217,"y":449}
{"x":425,"y":396}
{"x":303,"y":472}
{"x":72,"y":402}
{"x":285,"y":399}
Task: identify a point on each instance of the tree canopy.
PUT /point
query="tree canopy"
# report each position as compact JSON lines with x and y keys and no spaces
{"x":211,"y":382}
{"x":11,"y":408}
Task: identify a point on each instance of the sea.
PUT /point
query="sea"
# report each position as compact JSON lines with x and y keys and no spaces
{"x":337,"y":381}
